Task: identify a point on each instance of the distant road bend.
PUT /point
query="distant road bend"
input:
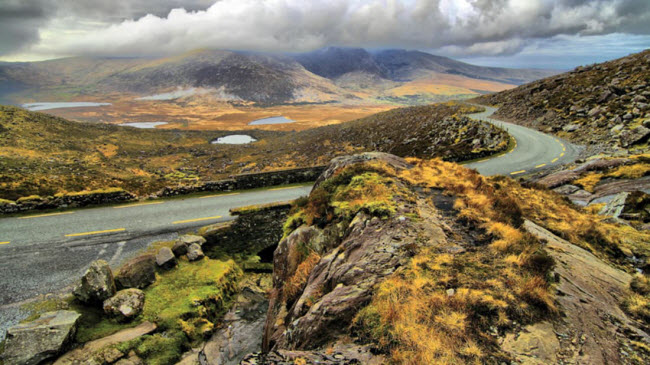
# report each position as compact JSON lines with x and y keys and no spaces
{"x":40,"y":253}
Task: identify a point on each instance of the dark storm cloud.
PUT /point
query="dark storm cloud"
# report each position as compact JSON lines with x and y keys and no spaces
{"x":463,"y":27}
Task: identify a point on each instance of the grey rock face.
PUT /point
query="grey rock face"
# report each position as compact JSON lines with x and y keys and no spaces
{"x":615,"y":206}
{"x":570,"y":127}
{"x":194,"y":252}
{"x":97,"y":284}
{"x":34,"y":342}
{"x":137,"y":273}
{"x":125,"y":305}
{"x":165,"y":258}
{"x":637,"y":135}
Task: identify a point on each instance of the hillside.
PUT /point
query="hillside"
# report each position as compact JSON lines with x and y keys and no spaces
{"x":604,"y":104}
{"x":41,"y":154}
{"x":425,"y":262}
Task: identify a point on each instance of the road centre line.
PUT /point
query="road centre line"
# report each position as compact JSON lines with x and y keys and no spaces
{"x":554,"y":160}
{"x":540,"y":166}
{"x":218,"y":195}
{"x":197,"y":220}
{"x":5,"y":243}
{"x":95,"y":232}
{"x":45,"y":215}
{"x":517,"y":172}
{"x":137,"y":205}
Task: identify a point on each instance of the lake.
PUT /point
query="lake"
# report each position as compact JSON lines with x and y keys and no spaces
{"x":234,"y":139}
{"x":272,"y":120}
{"x":143,"y":125}
{"x":46,"y":105}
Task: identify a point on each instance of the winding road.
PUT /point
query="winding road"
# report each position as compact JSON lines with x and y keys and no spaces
{"x":41,"y":253}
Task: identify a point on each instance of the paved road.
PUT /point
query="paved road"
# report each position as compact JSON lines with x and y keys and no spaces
{"x":41,"y":253}
{"x":534,"y":150}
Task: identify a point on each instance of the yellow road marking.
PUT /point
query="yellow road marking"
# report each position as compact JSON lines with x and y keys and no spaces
{"x":291,"y":187}
{"x":553,"y":160}
{"x":218,"y":195}
{"x":517,"y":172}
{"x":4,"y":243}
{"x":95,"y":232}
{"x":197,"y":219}
{"x":136,"y":205}
{"x":45,"y":215}
{"x":562,"y":154}
{"x":540,"y":166}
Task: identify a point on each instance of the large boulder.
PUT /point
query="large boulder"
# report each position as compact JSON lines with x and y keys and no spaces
{"x":165,"y":258}
{"x":97,"y":284}
{"x":183,"y":242}
{"x":39,"y":340}
{"x":125,"y":305}
{"x":139,"y":272}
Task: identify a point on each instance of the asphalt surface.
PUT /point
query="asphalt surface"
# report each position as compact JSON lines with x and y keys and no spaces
{"x":43,"y":253}
{"x":533,"y":151}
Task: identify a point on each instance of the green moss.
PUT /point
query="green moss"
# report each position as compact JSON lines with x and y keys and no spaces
{"x":157,"y":349}
{"x":92,"y":192}
{"x":258,"y":207}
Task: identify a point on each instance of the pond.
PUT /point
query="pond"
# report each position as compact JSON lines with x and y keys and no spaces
{"x":46,"y":105}
{"x":143,"y":125}
{"x":272,"y":120}
{"x":234,"y":139}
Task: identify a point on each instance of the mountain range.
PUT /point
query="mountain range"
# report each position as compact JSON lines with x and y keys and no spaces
{"x":327,"y":75}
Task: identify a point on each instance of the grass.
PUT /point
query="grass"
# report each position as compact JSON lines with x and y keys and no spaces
{"x":501,"y":279}
{"x":637,"y":302}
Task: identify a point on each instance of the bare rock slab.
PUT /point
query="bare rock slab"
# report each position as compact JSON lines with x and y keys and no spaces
{"x":33,"y":342}
{"x":97,"y":284}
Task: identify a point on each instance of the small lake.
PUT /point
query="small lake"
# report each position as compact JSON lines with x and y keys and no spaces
{"x":272,"y":120}
{"x":143,"y":125}
{"x":46,"y":106}
{"x":234,"y":139}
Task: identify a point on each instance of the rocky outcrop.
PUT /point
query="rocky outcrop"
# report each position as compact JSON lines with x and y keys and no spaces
{"x":315,"y":297}
{"x":70,"y":200}
{"x":139,"y":272}
{"x":125,"y":305}
{"x":33,"y":342}
{"x":630,"y":206}
{"x":97,"y":284}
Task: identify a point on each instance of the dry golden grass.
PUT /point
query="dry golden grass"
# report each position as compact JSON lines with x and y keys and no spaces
{"x":589,"y":181}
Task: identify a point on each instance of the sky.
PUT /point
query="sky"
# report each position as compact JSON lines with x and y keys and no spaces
{"x":557,"y":34}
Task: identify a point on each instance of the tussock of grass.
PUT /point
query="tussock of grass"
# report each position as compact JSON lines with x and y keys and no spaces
{"x":589,"y":181}
{"x":637,"y":302}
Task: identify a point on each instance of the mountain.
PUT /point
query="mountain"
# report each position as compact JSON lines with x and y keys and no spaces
{"x":402,"y":65}
{"x":605,"y":104}
{"x":326,"y":75}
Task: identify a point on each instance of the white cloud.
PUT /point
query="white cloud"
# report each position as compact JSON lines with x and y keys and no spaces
{"x":461,"y":27}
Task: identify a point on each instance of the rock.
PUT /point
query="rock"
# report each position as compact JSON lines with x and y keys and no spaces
{"x":185,"y":241}
{"x":97,"y":284}
{"x":536,"y":344}
{"x":614,"y":207}
{"x":165,"y":258}
{"x":85,"y":353}
{"x":131,"y":360}
{"x":33,"y":342}
{"x":566,"y":189}
{"x":139,"y":272}
{"x":637,"y":207}
{"x":571,"y":127}
{"x":639,"y":134}
{"x":617,"y":128}
{"x":125,"y":305}
{"x":194,"y":252}
{"x":628,"y":116}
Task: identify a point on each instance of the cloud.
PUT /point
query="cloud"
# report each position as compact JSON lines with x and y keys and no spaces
{"x":461,"y":27}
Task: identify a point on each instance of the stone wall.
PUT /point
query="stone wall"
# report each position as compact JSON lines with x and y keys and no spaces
{"x":256,"y":231}
{"x":249,"y":181}
{"x":72,"y":200}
